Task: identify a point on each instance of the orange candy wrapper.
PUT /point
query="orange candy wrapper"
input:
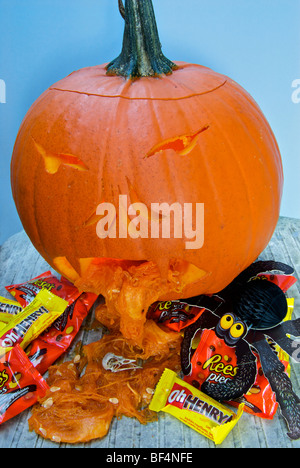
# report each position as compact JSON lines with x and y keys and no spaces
{"x":194,"y":408}
{"x":175,"y":315}
{"x":21,"y":385}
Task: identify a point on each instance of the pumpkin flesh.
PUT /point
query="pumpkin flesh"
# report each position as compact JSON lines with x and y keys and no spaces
{"x":84,"y":397}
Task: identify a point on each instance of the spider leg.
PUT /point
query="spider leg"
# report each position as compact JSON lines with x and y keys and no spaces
{"x":281,"y":386}
{"x":207,"y":320}
{"x":264,"y":266}
{"x":211,"y":303}
{"x":261,"y":266}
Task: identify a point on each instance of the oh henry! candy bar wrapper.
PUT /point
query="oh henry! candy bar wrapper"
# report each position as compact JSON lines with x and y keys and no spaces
{"x":194,"y":408}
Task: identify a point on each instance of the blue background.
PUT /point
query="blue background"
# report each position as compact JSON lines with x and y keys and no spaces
{"x":255,"y":42}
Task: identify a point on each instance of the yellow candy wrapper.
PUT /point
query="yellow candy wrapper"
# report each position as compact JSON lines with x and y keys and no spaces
{"x":194,"y":408}
{"x":5,"y":318}
{"x":8,"y":308}
{"x":282,"y":355}
{"x":2,"y":325}
{"x":32,"y":320}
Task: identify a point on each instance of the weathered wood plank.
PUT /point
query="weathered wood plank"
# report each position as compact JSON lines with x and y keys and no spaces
{"x":19,"y":261}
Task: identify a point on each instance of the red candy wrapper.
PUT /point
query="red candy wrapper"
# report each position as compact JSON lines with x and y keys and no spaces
{"x":54,"y":341}
{"x":24,"y":293}
{"x":21,"y":385}
{"x":174,"y":315}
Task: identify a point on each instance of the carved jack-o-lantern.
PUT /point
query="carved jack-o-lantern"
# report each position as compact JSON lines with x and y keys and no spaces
{"x":157,"y":132}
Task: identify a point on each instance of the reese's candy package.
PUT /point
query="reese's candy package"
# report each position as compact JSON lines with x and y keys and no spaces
{"x":7,"y":306}
{"x":174,"y":315}
{"x":213,"y":362}
{"x":21,"y":385}
{"x":33,"y":320}
{"x":177,"y":315}
{"x":195,"y":409}
{"x":24,"y":293}
{"x":54,"y":341}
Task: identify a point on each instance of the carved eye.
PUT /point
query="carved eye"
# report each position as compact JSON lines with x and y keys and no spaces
{"x":226,"y":321}
{"x":53,"y":161}
{"x":181,"y":144}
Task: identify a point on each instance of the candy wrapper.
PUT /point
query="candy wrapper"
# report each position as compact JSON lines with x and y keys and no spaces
{"x":9,"y":307}
{"x":24,"y":293}
{"x":177,"y":315}
{"x":44,"y":321}
{"x":194,"y":408}
{"x":32,"y":321}
{"x":54,"y":341}
{"x":174,"y":315}
{"x":21,"y":385}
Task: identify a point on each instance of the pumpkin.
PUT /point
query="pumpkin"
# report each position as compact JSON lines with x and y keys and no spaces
{"x":156,"y":132}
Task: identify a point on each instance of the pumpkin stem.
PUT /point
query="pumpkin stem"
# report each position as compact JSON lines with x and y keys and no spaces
{"x":141,"y":52}
{"x":121,"y":8}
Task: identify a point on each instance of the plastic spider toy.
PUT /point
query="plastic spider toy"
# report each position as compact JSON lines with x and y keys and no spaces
{"x":245,"y":315}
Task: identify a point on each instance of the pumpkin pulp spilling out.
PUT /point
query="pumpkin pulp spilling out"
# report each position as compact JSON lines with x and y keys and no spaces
{"x":159,"y":132}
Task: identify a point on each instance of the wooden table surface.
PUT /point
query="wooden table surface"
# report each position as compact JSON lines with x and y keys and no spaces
{"x":19,"y":261}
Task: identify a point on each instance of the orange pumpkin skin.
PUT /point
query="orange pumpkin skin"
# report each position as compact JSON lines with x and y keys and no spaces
{"x":85,"y":141}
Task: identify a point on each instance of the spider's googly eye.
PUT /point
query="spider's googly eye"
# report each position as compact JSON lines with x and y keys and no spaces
{"x":231,"y":329}
{"x":226,"y":321}
{"x":237,"y":330}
